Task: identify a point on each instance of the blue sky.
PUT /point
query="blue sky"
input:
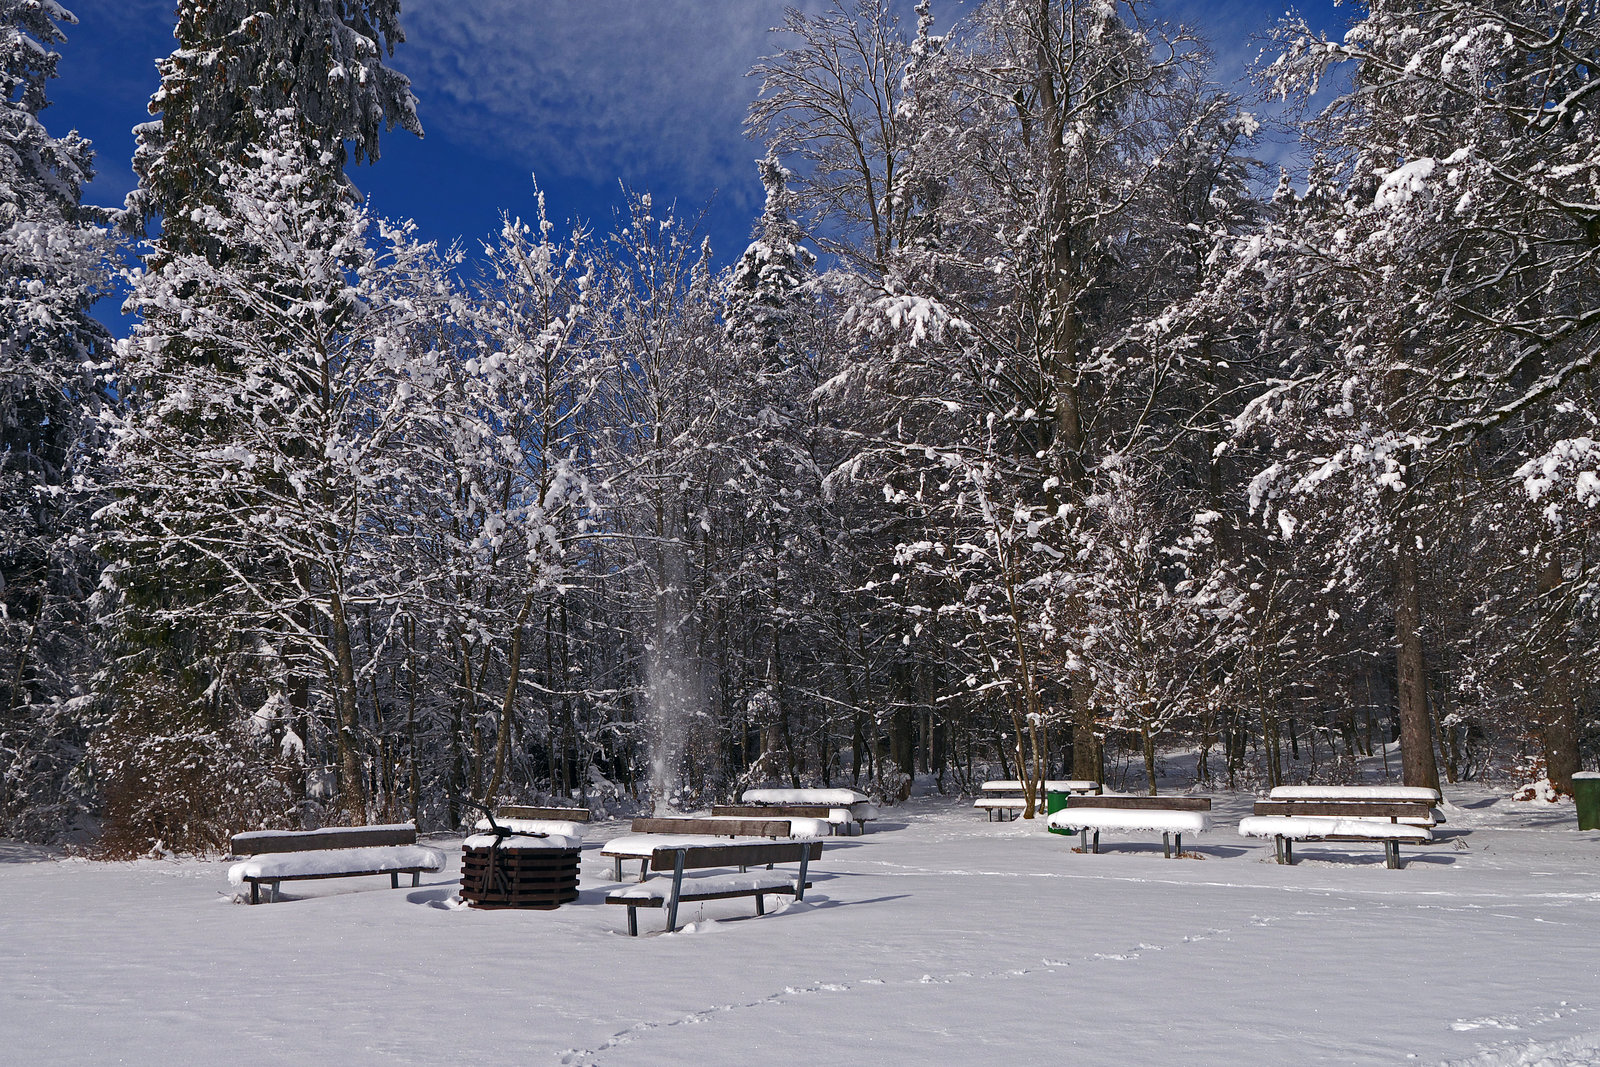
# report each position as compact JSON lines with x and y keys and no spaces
{"x":584,"y":93}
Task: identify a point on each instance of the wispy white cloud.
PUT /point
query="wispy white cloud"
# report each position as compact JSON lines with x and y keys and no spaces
{"x":599,"y":90}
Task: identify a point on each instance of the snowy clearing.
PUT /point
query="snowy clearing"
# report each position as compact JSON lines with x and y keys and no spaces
{"x":937,"y":937}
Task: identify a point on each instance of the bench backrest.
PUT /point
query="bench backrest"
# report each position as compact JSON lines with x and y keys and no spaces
{"x":714,"y":827}
{"x":1360,"y":809}
{"x":262,"y":842}
{"x":751,"y":854}
{"x":764,"y":812}
{"x":519,"y":811}
{"x":1141,"y":803}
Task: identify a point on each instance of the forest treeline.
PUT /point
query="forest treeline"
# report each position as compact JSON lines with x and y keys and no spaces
{"x":1040,"y":429}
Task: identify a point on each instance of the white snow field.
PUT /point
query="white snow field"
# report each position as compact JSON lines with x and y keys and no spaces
{"x":936,"y":938}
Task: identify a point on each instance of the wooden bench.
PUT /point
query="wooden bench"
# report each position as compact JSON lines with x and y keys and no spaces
{"x":1386,"y":822}
{"x":681,"y":858}
{"x":1006,"y":799}
{"x":845,"y":807}
{"x":1172,"y":817}
{"x":332,"y":852}
{"x":649,"y":834}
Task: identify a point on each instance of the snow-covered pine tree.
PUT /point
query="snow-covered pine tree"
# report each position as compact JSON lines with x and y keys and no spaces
{"x":241,"y":63}
{"x":54,"y":264}
{"x":263,"y":454}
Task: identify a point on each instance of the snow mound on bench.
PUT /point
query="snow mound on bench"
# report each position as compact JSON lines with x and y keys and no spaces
{"x":523,"y":844}
{"x":548,"y":827}
{"x":1355,"y":792}
{"x":381,"y":859}
{"x":1175,"y":822}
{"x":1306,"y":827}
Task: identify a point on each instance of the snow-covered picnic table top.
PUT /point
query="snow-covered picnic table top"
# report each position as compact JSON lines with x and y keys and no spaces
{"x":1308,"y":827}
{"x":332,"y":861}
{"x":1068,"y":785}
{"x":1160,"y":820}
{"x":1355,"y":792}
{"x":833,"y":798}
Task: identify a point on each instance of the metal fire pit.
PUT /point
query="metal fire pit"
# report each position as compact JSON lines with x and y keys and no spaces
{"x":518,"y":872}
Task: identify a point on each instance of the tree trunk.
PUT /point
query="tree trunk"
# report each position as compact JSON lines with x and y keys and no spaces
{"x":1417,"y":765}
{"x":1559,"y":715}
{"x":353,"y":786}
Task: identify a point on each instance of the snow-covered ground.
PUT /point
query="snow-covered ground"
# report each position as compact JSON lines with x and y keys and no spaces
{"x":935,"y":938}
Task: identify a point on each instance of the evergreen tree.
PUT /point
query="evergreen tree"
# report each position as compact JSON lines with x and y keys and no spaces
{"x":241,"y":63}
{"x":54,"y":264}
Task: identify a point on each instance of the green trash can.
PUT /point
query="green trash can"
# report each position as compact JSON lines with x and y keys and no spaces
{"x":1586,"y":792}
{"x":1055,"y":800}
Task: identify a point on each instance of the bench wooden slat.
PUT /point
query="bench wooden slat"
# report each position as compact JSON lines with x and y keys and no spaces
{"x":689,"y":896}
{"x":1360,"y":809}
{"x":1141,"y":803}
{"x":765,"y":812}
{"x":714,"y":827}
{"x":269,"y":843}
{"x":751,"y":855}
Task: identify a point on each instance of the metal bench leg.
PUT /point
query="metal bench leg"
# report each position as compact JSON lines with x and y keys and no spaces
{"x":416,"y":879}
{"x":1166,"y":845}
{"x":255,"y":892}
{"x":1097,"y":842}
{"x":761,"y":904}
{"x":1391,"y":855}
{"x":633,"y":921}
{"x":1288,"y":851}
{"x":616,"y":870}
{"x":1083,"y":839}
{"x":677,"y":884}
{"x":394,"y":879}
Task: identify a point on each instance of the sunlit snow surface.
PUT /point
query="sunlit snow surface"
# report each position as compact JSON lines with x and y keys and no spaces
{"x":937,"y":937}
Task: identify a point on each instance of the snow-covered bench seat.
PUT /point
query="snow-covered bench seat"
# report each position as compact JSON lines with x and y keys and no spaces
{"x":1386,"y":822}
{"x":845,"y":806}
{"x":680,"y":857}
{"x":1171,"y":817}
{"x":1004,"y":798}
{"x":332,"y":852}
{"x":652,"y":833}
